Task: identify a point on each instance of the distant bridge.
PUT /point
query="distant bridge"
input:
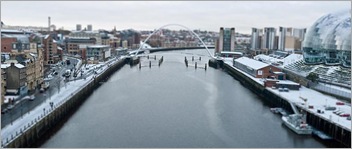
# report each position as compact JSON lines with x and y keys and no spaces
{"x":151,"y":50}
{"x":205,"y":46}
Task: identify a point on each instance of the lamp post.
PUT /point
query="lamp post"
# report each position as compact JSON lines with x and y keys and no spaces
{"x":21,"y":109}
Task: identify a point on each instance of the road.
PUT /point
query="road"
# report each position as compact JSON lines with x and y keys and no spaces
{"x":58,"y":81}
{"x":24,"y":106}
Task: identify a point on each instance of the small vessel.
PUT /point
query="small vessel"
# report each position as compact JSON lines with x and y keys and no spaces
{"x":279,"y":110}
{"x":297,"y":123}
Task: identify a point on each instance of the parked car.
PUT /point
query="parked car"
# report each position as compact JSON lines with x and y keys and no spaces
{"x":344,"y":115}
{"x":31,"y":97}
{"x":340,"y":103}
{"x":41,"y":90}
{"x":330,"y":108}
{"x":10,"y":107}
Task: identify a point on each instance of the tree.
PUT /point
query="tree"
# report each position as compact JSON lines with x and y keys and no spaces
{"x":313,"y":77}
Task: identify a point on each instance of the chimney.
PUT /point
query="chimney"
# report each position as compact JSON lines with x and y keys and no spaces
{"x":48,"y":24}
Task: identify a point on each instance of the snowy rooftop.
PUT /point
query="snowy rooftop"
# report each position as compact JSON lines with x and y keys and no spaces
{"x":228,"y":52}
{"x":98,"y":46}
{"x":251,"y":63}
{"x":228,"y":61}
{"x":3,"y":66}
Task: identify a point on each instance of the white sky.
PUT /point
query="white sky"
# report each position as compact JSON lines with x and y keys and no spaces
{"x":149,"y":15}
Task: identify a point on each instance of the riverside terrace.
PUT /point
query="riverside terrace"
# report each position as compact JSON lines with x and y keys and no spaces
{"x":314,"y":99}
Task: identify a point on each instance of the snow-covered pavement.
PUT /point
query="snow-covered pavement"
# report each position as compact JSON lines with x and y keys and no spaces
{"x":10,"y":131}
{"x":315,"y":99}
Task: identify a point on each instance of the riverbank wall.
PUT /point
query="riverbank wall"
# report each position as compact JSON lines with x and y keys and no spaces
{"x":341,"y":136}
{"x":36,"y":132}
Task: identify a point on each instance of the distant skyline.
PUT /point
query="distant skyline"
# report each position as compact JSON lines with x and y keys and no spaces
{"x":150,"y":15}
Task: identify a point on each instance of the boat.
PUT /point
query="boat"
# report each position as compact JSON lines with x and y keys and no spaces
{"x":279,"y":110}
{"x":296,"y":123}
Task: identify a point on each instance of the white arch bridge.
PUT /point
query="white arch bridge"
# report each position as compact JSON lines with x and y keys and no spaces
{"x":189,"y":30}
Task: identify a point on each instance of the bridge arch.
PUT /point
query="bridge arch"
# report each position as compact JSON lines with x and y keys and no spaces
{"x":189,"y":30}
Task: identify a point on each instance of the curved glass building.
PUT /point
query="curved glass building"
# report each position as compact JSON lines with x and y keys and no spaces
{"x":328,"y":40}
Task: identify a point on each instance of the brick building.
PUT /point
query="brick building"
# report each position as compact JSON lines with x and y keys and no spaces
{"x":258,"y":69}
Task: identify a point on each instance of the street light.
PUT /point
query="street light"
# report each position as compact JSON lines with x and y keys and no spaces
{"x":21,"y":109}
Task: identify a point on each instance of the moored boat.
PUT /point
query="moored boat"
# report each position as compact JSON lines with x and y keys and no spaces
{"x":297,"y":123}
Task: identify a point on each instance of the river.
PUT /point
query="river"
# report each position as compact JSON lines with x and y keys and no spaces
{"x":174,"y":106}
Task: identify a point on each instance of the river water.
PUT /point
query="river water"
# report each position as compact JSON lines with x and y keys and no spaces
{"x":175,"y":106}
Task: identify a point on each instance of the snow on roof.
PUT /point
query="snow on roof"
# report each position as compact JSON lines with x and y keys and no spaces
{"x":286,"y":82}
{"x":266,"y":58}
{"x":98,"y":46}
{"x":251,"y":63}
{"x":3,"y":66}
{"x":11,"y":30}
{"x":228,"y":52}
{"x":59,"y":48}
{"x":292,"y":58}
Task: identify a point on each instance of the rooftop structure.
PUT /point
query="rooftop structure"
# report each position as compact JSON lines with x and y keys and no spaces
{"x":328,"y":40}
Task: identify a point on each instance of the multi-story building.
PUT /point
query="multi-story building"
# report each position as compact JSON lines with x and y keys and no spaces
{"x":105,"y":40}
{"x":52,"y":54}
{"x":256,"y":38}
{"x":296,"y":37}
{"x":73,"y":44}
{"x":226,"y":40}
{"x":124,"y":44}
{"x":282,"y":38}
{"x":269,"y":38}
{"x":114,"y":42}
{"x":292,"y":43}
{"x":6,"y":44}
{"x":78,"y":27}
{"x":133,"y":38}
{"x":89,"y":34}
{"x":16,"y":78}
{"x":98,"y":52}
{"x":39,"y":65}
{"x":90,"y":27}
{"x":28,"y":61}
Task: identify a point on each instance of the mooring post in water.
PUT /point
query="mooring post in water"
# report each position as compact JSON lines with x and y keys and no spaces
{"x":148,"y":56}
{"x":150,"y":64}
{"x":195,"y":65}
{"x":200,"y":58}
{"x":154,"y":57}
{"x":140,"y":65}
{"x":205,"y":66}
{"x":186,"y":62}
{"x":192,"y":58}
{"x":185,"y":58}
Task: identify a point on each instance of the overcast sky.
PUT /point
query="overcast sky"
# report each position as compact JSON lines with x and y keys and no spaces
{"x":149,"y":15}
